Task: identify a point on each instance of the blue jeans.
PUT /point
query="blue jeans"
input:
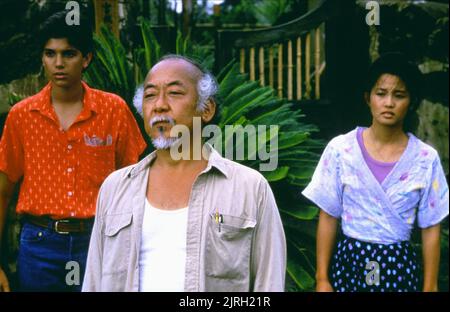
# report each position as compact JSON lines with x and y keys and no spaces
{"x":45,"y":259}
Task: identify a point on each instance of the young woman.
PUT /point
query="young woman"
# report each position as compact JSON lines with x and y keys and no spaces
{"x":378,"y":181}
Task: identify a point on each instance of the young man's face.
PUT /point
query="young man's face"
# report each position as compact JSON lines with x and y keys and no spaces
{"x":64,"y":63}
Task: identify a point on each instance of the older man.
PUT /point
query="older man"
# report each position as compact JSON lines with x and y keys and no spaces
{"x":184,"y":225}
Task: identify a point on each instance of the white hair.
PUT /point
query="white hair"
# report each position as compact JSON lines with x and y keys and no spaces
{"x":138,"y":98}
{"x":161,"y":142}
{"x":207,"y":88}
{"x":161,"y":118}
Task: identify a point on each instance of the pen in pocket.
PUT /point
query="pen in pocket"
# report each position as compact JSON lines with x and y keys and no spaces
{"x":219,"y":219}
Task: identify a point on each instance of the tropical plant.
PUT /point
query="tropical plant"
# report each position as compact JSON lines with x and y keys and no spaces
{"x":264,"y":12}
{"x":245,"y":103}
{"x":242,"y":102}
{"x":268,"y":11}
{"x":120,"y":71}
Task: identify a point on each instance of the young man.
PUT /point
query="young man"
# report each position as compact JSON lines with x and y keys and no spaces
{"x":184,"y":225}
{"x":63,"y":142}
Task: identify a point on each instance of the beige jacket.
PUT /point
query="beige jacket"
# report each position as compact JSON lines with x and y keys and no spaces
{"x":247,"y":254}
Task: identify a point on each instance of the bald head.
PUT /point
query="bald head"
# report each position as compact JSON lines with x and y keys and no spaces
{"x":181,"y":68}
{"x":178,"y":65}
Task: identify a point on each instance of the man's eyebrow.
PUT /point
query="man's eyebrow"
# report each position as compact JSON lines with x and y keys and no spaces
{"x":149,"y":85}
{"x":65,"y":50}
{"x":170,"y":84}
{"x":395,"y":89}
{"x":175,"y":83}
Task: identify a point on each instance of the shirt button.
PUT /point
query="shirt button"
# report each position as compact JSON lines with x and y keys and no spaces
{"x":40,"y":234}
{"x":69,"y":146}
{"x":69,"y":170}
{"x":69,"y":193}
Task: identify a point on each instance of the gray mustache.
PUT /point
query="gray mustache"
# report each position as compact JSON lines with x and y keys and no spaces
{"x":161,"y":118}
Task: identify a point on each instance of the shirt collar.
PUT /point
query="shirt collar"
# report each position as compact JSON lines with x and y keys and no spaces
{"x":215,"y":160}
{"x":43,"y":102}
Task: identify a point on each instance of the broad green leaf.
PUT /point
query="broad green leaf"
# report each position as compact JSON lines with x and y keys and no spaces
{"x":301,"y":277}
{"x":276,"y":175}
{"x":290,"y":139}
{"x":151,"y":46}
{"x":304,"y":213}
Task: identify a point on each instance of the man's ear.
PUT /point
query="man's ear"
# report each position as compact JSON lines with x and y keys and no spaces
{"x":87,"y":60}
{"x":209,"y":111}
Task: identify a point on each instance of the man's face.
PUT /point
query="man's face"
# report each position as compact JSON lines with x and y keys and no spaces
{"x":63,"y":63}
{"x":170,"y":90}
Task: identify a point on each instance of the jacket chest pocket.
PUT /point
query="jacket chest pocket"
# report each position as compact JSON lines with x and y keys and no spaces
{"x":117,"y":243}
{"x":228,"y":249}
{"x":97,"y":162}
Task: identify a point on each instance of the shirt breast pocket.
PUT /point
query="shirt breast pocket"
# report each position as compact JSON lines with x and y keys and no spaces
{"x":117,"y":243}
{"x":97,"y":162}
{"x":228,"y":248}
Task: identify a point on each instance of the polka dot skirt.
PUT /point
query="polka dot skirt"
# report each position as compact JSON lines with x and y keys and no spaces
{"x":366,"y":267}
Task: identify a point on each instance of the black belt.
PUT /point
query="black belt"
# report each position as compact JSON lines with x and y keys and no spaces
{"x":63,"y":226}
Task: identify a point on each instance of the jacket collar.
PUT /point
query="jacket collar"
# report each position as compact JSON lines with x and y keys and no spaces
{"x":215,"y":160}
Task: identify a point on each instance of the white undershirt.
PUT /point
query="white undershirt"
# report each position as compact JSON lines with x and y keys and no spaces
{"x":163,"y":249}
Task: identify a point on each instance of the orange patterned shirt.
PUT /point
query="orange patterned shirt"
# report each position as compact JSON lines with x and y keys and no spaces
{"x":62,"y":170}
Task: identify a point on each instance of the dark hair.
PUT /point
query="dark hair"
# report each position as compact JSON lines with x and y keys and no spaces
{"x":79,"y":36}
{"x":397,"y":64}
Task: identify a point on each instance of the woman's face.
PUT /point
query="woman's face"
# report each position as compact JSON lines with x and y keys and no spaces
{"x":389,"y":101}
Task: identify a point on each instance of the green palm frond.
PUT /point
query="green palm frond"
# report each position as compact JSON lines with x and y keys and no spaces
{"x":182,"y":44}
{"x":245,"y":103}
{"x":152,"y":49}
{"x":111,"y":70}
